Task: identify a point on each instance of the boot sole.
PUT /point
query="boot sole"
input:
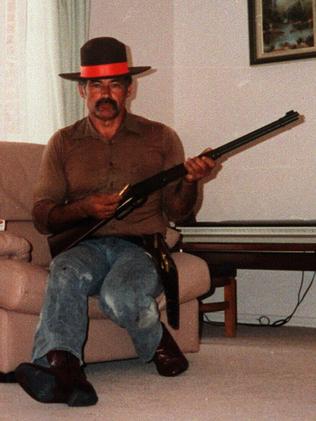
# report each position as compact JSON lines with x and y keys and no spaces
{"x":172,"y":370}
{"x":80,"y":398}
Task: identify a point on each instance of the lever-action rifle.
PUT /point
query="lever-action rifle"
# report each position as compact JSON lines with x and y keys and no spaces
{"x":135,"y":195}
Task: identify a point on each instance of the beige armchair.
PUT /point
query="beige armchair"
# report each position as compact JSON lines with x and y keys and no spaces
{"x":24,"y":259}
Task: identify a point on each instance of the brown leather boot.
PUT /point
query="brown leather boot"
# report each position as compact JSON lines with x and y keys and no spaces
{"x":63,"y":382}
{"x":168,"y":357}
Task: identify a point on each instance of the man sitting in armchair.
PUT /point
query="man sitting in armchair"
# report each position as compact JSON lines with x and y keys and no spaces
{"x":84,"y":168}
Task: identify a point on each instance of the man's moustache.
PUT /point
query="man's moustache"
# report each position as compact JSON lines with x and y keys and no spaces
{"x":106,"y":101}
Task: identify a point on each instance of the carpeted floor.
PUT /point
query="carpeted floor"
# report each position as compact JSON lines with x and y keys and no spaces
{"x":263,"y":374}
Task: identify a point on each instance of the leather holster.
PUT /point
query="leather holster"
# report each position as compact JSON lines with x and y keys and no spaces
{"x":156,"y":246}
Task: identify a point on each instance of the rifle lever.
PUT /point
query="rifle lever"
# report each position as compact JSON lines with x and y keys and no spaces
{"x":128,"y":206}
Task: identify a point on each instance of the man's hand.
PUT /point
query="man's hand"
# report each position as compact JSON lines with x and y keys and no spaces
{"x":198,"y":168}
{"x":98,"y":206}
{"x":101,"y":205}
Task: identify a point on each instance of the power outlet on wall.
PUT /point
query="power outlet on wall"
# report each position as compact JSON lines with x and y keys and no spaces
{"x":2,"y":225}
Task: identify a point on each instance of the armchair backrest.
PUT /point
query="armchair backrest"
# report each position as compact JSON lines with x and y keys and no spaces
{"x":19,"y":164}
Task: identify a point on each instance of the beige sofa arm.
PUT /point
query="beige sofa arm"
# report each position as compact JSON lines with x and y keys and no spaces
{"x":14,"y":247}
{"x":22,"y":286}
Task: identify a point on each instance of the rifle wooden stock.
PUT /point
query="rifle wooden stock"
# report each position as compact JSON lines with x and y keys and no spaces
{"x":137,"y":194}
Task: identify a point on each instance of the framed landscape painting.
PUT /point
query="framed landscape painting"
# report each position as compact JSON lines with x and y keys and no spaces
{"x":281,"y":30}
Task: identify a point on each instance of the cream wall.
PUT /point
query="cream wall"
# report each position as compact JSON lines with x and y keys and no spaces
{"x":204,"y":87}
{"x":218,"y":97}
{"x":147,"y":28}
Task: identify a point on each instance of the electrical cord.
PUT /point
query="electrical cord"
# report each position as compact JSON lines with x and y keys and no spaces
{"x":300,"y":298}
{"x":265,"y":321}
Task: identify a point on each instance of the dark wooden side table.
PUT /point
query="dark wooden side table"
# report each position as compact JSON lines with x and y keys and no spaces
{"x":258,"y":246}
{"x":269,"y":256}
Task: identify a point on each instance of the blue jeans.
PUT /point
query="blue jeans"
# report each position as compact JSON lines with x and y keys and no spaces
{"x":124,"y":278}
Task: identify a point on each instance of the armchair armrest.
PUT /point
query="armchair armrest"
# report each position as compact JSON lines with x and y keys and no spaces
{"x":14,"y":247}
{"x":22,"y":286}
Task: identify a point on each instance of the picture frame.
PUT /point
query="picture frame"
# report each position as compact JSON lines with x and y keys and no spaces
{"x":281,"y":30}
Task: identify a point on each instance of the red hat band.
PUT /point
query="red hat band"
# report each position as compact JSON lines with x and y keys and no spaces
{"x":104,"y":70}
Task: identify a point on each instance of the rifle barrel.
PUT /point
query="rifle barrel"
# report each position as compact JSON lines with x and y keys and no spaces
{"x":289,"y":117}
{"x":161,"y":179}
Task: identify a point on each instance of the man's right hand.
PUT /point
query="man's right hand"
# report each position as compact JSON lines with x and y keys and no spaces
{"x":100,"y":205}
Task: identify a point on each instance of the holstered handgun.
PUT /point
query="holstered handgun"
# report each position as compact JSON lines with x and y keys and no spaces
{"x":167,"y":270}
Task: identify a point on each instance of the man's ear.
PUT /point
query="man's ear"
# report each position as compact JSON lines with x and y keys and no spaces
{"x":129,"y":90}
{"x":81,"y":90}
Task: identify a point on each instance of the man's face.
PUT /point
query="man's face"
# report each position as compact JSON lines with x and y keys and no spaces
{"x":105,"y":98}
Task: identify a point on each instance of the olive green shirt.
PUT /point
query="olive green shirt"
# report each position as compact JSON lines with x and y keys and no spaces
{"x":78,"y":162}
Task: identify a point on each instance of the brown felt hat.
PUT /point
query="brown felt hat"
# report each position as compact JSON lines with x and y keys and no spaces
{"x":103,"y":57}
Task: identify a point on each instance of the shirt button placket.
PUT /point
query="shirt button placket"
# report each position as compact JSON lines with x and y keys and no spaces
{"x":111,"y":167}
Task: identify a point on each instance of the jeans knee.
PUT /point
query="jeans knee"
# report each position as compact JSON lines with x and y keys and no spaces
{"x":118,"y":310}
{"x":65,"y":272}
{"x":148,"y":316}
{"x":130,"y":314}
